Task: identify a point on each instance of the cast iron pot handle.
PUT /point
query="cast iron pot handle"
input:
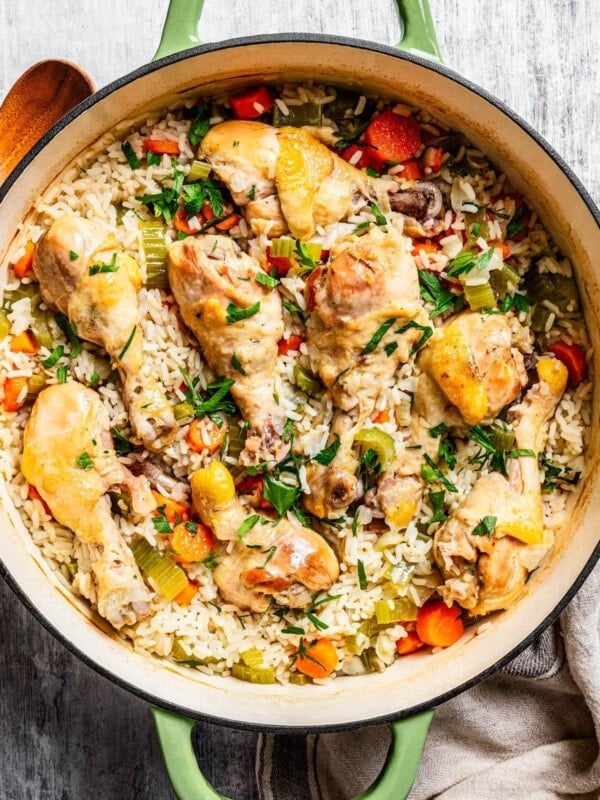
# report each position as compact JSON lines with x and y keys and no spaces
{"x":180,"y":31}
{"x":394,"y":783}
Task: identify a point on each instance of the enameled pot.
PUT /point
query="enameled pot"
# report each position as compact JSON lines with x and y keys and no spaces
{"x":413,"y":686}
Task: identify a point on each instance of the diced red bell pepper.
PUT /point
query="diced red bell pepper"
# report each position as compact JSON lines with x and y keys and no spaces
{"x":394,"y":137}
{"x":292,"y":343}
{"x":573,"y":357}
{"x":161,"y":147}
{"x":412,"y":171}
{"x":33,"y":494}
{"x":252,"y":485}
{"x":282,"y":264}
{"x":252,"y":104}
{"x":365,"y":160}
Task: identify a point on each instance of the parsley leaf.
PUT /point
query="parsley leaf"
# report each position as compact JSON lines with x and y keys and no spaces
{"x":362,"y":575}
{"x":122,"y":445}
{"x":200,"y":192}
{"x":431,"y":472}
{"x":377,"y":337}
{"x":486,"y":527}
{"x":467,"y":261}
{"x":379,"y":217}
{"x":306,"y":260}
{"x":294,"y":629}
{"x":515,"y":225}
{"x":442,"y":299}
{"x":73,"y":256}
{"x":235,"y":314}
{"x":427,"y":334}
{"x":200,"y":125}
{"x":161,"y":525}
{"x":54,"y":356}
{"x":437,"y":504}
{"x":247,"y":525}
{"x":326,"y":456}
{"x":267,"y":280}
{"x":164,"y":203}
{"x":62,"y":372}
{"x":127,"y":344}
{"x":110,"y":267}
{"x":69,"y":331}
{"x":348,"y":137}
{"x":282,"y":496}
{"x":130,"y":155}
{"x":84,"y":461}
{"x":237,"y":364}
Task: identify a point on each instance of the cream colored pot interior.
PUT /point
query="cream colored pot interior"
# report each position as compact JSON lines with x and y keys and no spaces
{"x":412,"y":681}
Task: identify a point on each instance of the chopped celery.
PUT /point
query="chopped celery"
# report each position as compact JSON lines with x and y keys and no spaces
{"x":368,"y":627}
{"x":503,"y":438}
{"x":40,"y":327}
{"x":253,"y":657}
{"x":400,"y":575}
{"x":390,"y":611}
{"x":480,"y":296}
{"x":357,"y":643}
{"x":30,"y":290}
{"x":35,"y":383}
{"x":379,"y":441}
{"x":313,"y":249}
{"x":200,"y":170}
{"x":170,"y":579}
{"x":539,"y":319}
{"x":236,"y":439}
{"x":306,"y":381}
{"x":253,"y":674}
{"x":308,"y":114}
{"x":282,"y":248}
{"x":299,"y":679}
{"x":5,"y":325}
{"x":183,"y":411}
{"x":502,"y":279}
{"x":155,"y":252}
{"x":371,"y":661}
{"x":558,"y":289}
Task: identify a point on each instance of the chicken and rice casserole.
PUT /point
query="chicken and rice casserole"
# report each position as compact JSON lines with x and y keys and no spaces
{"x":294,"y":384}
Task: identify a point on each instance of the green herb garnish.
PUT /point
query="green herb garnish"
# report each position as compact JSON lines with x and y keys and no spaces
{"x":442,"y":299}
{"x":431,"y":472}
{"x":161,"y":525}
{"x":127,"y":343}
{"x":110,"y":267}
{"x":437,"y":504}
{"x":54,"y":356}
{"x":267,"y":280}
{"x":427,"y":334}
{"x":247,"y":525}
{"x":379,"y":217}
{"x":486,"y":527}
{"x":362,"y":575}
{"x":237,"y":364}
{"x":326,"y":456}
{"x":377,"y":337}
{"x":235,"y":314}
{"x":200,"y":125}
{"x":84,"y":461}
{"x":69,"y":331}
{"x":130,"y":155}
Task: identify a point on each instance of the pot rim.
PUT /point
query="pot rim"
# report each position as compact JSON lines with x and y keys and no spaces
{"x":385,"y":50}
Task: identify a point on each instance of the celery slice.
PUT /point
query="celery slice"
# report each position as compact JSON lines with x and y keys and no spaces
{"x":308,"y":114}
{"x":36,"y":383}
{"x":170,"y":579}
{"x":480,"y":296}
{"x":502,"y":436}
{"x":379,"y":441}
{"x":253,"y":657}
{"x":313,"y":249}
{"x":539,"y":319}
{"x":5,"y":325}
{"x":502,"y":279}
{"x":183,"y":411}
{"x":155,"y":253}
{"x":253,"y":674}
{"x":299,"y":679}
{"x":40,"y":328}
{"x":368,"y":627}
{"x":559,"y":289}
{"x":282,"y":248}
{"x":357,"y":643}
{"x":200,"y":170}
{"x":236,"y":439}
{"x":25,"y":290}
{"x":390,"y":611}
{"x":306,"y":381}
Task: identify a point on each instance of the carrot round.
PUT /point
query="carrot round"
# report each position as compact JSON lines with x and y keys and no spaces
{"x":573,"y":357}
{"x":14,"y":396}
{"x":439,"y":626}
{"x":204,"y":434}
{"x":317,"y":660}
{"x":185,"y":596}
{"x":191,"y":542}
{"x":408,"y":644}
{"x":24,"y":264}
{"x":393,"y":137}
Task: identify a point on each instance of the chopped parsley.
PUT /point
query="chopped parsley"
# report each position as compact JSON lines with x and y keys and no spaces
{"x":293,"y":308}
{"x":468,"y":261}
{"x":517,"y":301}
{"x":379,"y":217}
{"x":439,"y":430}
{"x":282,"y":496}
{"x":318,"y":623}
{"x":84,"y":461}
{"x":442,"y":299}
{"x":122,"y":445}
{"x":390,"y":348}
{"x":94,"y":379}
{"x":161,"y":525}
{"x":192,"y":527}
{"x":235,"y":314}
{"x":215,"y":398}
{"x":164,"y":203}
{"x":377,"y":336}
{"x":355,"y":523}
{"x":54,"y":356}
{"x":211,"y":561}
{"x":369,"y":468}
{"x":362,"y":575}
{"x":247,"y":525}
{"x":73,"y":256}
{"x":270,"y":553}
{"x":237,"y":364}
{"x":555,"y":474}
{"x":307,"y":262}
{"x":427,"y":334}
{"x":295,"y":630}
{"x":200,"y":125}
{"x":437,"y":504}
{"x":326,"y":456}
{"x":486,"y":527}
{"x":130,"y":155}
{"x":127,"y":343}
{"x":251,"y":193}
{"x":515,"y":224}
{"x":62,"y":372}
{"x":69,"y":331}
{"x":346,"y":138}
{"x":430,"y":472}
{"x":153,"y":159}
{"x":195,"y":195}
{"x":112,"y":266}
{"x":267,"y":280}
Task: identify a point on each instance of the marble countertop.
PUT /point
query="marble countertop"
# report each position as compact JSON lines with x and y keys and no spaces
{"x":69,"y":734}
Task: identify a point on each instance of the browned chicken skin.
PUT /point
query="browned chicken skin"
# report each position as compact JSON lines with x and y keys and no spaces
{"x":103,"y":308}
{"x":68,"y":456}
{"x":285,"y":562}
{"x":369,"y":282}
{"x":485,"y":573}
{"x":208,"y":274}
{"x":286,"y":179}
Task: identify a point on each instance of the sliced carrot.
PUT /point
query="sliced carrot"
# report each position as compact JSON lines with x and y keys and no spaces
{"x":394,"y":137}
{"x":282,"y":264}
{"x":23,"y":265}
{"x":252,"y":486}
{"x":185,"y":596}
{"x":174,"y":512}
{"x":381,"y":416}
{"x":161,"y":146}
{"x":291,"y":344}
{"x":439,"y":625}
{"x":252,"y":104}
{"x":24,"y":343}
{"x":365,"y":159}
{"x":230,"y":221}
{"x":14,"y":396}
{"x":317,"y":660}
{"x":181,"y":222}
{"x":573,"y":357}
{"x":408,"y":644}
{"x":426,"y":246}
{"x":412,"y":171}
{"x":205,"y":435}
{"x":191,"y":542}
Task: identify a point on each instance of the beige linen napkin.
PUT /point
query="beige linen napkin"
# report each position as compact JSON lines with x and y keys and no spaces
{"x":530,"y":732}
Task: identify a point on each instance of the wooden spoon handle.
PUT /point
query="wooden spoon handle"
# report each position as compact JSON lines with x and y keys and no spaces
{"x":39,"y":98}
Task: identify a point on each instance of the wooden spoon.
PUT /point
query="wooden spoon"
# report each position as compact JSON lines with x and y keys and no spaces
{"x":39,"y":98}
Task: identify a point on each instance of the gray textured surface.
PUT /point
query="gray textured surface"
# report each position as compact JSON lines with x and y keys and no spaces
{"x":69,"y":734}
